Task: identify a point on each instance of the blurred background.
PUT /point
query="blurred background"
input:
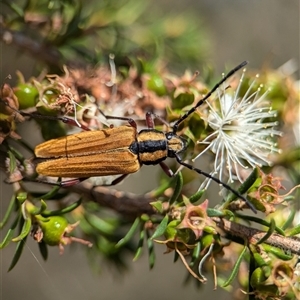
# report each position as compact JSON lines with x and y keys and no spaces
{"x":262,"y":32}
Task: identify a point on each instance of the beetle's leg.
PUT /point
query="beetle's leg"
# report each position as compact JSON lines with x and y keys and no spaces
{"x":166,"y":169}
{"x":118,"y":180}
{"x":65,"y":120}
{"x":78,"y":180}
{"x":129,"y":120}
{"x":150,"y":120}
{"x":65,"y":183}
{"x":71,"y":182}
{"x":74,"y":181}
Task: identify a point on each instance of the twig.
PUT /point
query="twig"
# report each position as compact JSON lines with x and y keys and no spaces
{"x":253,"y":235}
{"x":131,"y":205}
{"x":127,"y":204}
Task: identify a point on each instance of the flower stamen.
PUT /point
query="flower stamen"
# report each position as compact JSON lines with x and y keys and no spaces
{"x":242,"y":134}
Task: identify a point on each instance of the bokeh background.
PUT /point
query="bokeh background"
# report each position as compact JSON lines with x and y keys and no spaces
{"x":263,"y":32}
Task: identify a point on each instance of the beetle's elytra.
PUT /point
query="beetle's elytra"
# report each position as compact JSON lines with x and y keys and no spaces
{"x":112,"y":151}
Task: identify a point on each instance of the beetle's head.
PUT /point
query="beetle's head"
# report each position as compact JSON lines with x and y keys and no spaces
{"x":176,"y":144}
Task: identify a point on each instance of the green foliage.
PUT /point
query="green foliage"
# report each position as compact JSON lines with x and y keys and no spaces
{"x":86,"y":32}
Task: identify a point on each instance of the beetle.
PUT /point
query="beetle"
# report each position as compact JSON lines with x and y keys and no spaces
{"x":119,"y":150}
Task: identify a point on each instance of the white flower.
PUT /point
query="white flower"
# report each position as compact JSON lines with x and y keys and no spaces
{"x":240,"y":136}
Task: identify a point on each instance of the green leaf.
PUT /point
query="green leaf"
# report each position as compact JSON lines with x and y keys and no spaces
{"x":269,"y":232}
{"x":43,"y":249}
{"x":229,"y":214}
{"x":293,"y":231}
{"x":183,"y":100}
{"x":12,"y":162}
{"x":171,"y":230}
{"x":156,"y":84}
{"x":212,"y":212}
{"x":25,"y":230}
{"x":177,"y":189}
{"x":7,"y":238}
{"x":235,"y":268}
{"x":65,"y":210}
{"x":197,"y":196}
{"x":16,"y":153}
{"x":245,"y":186}
{"x":161,"y":228}
{"x":145,"y":217}
{"x":101,"y":225}
{"x":16,"y":8}
{"x":176,"y":256}
{"x":151,"y":252}
{"x":51,"y":194}
{"x":38,"y":210}
{"x":158,"y":205}
{"x":73,"y":28}
{"x":10,"y":232}
{"x":195,"y":254}
{"x":129,"y":234}
{"x":22,"y":197}
{"x":196,"y":126}
{"x":260,"y":221}
{"x":161,"y":189}
{"x":289,"y":220}
{"x":37,"y":196}
{"x":140,"y":243}
{"x":277,"y":252}
{"x":8,"y":212}
{"x":19,"y":250}
{"x":260,"y":262}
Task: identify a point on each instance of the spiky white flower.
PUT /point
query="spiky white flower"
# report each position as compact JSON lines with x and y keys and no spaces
{"x":241,"y":137}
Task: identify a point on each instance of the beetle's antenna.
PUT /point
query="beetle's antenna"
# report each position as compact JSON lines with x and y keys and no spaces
{"x":200,"y":102}
{"x":226,"y":186}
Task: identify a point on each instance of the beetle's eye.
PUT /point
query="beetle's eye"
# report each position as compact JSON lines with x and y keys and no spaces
{"x":169,"y":135}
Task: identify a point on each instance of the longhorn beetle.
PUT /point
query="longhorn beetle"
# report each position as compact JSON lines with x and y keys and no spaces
{"x":119,"y":150}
